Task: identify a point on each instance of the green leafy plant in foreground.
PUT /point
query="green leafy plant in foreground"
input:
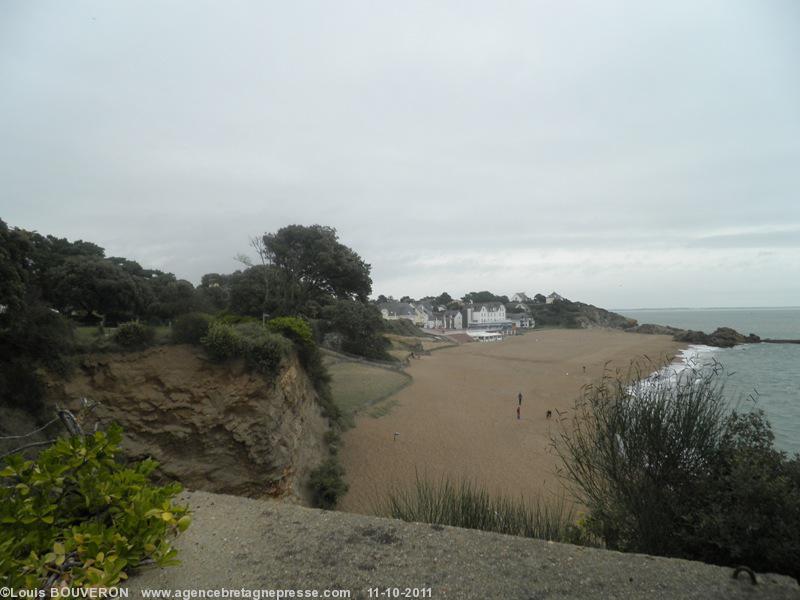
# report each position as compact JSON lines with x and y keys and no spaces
{"x":79,"y":517}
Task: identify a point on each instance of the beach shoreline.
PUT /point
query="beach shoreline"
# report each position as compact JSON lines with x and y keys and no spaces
{"x":458,"y":417}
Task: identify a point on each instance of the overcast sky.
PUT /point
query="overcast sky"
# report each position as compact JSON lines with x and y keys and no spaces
{"x":628,"y":154}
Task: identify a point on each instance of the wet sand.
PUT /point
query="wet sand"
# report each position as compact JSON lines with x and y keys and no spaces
{"x":458,"y":417}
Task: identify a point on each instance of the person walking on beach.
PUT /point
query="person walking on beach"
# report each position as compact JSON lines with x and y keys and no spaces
{"x":520,"y":399}
{"x":517,"y":413}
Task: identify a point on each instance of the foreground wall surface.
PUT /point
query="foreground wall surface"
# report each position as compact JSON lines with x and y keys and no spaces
{"x":237,"y":543}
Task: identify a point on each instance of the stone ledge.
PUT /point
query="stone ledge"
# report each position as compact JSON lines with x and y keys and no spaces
{"x":242,"y":543}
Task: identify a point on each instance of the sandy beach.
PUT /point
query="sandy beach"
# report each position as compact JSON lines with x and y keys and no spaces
{"x":459,"y":418}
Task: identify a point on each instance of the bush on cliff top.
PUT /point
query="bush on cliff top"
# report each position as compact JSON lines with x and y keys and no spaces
{"x":301,"y":333}
{"x":134,"y":335}
{"x":221,"y":342}
{"x":262,"y":350}
{"x":77,"y":516}
{"x":664,"y":467}
{"x":190,"y":328}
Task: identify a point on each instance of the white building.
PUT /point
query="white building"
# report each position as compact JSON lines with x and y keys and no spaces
{"x":435,"y":320}
{"x":553,"y":297}
{"x":393,"y":311}
{"x":485,"y":336}
{"x":485,"y":313}
{"x":520,"y":297}
{"x":521,"y":320}
{"x":453,"y":319}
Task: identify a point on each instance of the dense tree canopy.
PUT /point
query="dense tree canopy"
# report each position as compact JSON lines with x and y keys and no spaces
{"x":484,"y":296}
{"x":94,"y":286}
{"x":444,"y":299}
{"x":15,"y":249}
{"x":314,"y":266}
{"x":361,"y":327}
{"x":31,"y":334}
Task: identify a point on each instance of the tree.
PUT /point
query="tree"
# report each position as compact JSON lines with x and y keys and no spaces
{"x":314,"y":266}
{"x":171,"y":296}
{"x":406,"y":299}
{"x":31,"y":334}
{"x":15,"y":250}
{"x":265,"y":258}
{"x":443,"y":299}
{"x":94,"y":286}
{"x":213,"y":293}
{"x":484,"y":296}
{"x":540,"y":299}
{"x":382,"y":299}
{"x":246,"y":291}
{"x":361,"y":326}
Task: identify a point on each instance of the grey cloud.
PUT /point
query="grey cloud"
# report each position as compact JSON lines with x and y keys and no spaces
{"x":170,"y":133}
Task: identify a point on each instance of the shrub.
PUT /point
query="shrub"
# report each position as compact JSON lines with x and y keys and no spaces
{"x":264,"y":351}
{"x":134,"y":335}
{"x":466,"y":504}
{"x":33,"y":338}
{"x":301,"y":333}
{"x":296,"y":329}
{"x":221,"y":342}
{"x":78,"y":516}
{"x":665,"y":467}
{"x":327,"y":484}
{"x":190,"y":328}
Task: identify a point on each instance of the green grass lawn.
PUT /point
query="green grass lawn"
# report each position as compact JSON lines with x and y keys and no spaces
{"x":360,"y":387}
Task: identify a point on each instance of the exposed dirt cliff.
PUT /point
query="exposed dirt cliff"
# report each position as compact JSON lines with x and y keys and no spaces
{"x":218,"y":428}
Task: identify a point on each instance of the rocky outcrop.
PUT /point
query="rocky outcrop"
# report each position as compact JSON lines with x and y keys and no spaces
{"x":652,"y":329}
{"x":723,"y":337}
{"x":577,"y":315}
{"x":219,"y":428}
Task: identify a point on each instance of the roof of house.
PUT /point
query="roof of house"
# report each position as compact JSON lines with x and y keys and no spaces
{"x":398,"y":308}
{"x":519,"y":315}
{"x":488,"y":305}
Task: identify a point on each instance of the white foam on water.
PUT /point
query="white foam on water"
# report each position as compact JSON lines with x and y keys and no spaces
{"x":694,"y":357}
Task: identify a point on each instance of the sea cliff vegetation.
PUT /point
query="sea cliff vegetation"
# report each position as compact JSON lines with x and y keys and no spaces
{"x":62,"y":297}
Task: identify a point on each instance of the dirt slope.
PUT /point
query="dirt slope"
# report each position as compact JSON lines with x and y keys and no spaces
{"x":213,"y":427}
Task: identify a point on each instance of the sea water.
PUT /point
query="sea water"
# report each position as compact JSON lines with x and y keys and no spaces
{"x":766,"y":376}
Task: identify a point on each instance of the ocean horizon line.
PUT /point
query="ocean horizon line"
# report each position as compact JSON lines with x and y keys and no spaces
{"x":707,"y":308}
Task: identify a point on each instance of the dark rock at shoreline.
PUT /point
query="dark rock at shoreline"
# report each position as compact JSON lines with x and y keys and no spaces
{"x":723,"y":337}
{"x":652,"y":329}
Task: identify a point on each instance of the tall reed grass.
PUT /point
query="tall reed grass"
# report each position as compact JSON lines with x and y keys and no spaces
{"x":464,"y":503}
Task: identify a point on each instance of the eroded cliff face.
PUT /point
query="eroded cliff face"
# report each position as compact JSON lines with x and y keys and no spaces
{"x":218,"y":428}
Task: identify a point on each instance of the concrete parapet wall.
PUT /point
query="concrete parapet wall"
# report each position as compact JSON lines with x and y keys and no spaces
{"x":237,"y":543}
